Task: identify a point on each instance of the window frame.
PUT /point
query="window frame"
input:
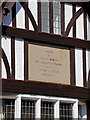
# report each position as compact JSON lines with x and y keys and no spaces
{"x":38,"y":99}
{"x":51,"y":17}
{"x":6,"y":106}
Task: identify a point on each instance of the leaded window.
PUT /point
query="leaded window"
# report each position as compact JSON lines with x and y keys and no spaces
{"x":65,"y":111}
{"x":51,"y":17}
{"x":47,"y":110}
{"x":45,"y":16}
{"x":56,"y":17}
{"x":28,"y":109}
{"x":7,"y":109}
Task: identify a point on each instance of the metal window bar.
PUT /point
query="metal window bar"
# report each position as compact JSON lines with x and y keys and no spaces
{"x":47,"y":110}
{"x":57,"y":17}
{"x":28,"y":109}
{"x":9,"y":109}
{"x":65,"y":111}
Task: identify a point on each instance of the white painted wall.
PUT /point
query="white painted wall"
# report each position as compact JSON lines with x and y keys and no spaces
{"x":19,"y":44}
{"x":33,"y":7}
{"x":6,"y":45}
{"x":79,"y":52}
{"x":79,"y":67}
{"x":87,"y":63}
{"x":88,"y":51}
{"x":68,"y":16}
{"x":19,"y":59}
{"x":88,"y":28}
{"x":79,"y":26}
{"x":20,"y":17}
{"x":3,"y":70}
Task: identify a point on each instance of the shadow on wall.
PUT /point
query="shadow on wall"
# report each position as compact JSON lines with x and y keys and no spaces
{"x":89,"y":79}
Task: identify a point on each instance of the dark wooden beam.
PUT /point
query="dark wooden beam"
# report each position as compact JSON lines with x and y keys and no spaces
{"x":13,"y":42}
{"x":6,"y":63}
{"x":85,"y":25}
{"x":89,"y":79}
{"x":74,"y":25}
{"x":84,"y":68}
{"x":41,"y":88}
{"x":51,"y":16}
{"x":88,"y":110}
{"x":72,"y":52}
{"x":26,"y":48}
{"x":86,"y":7}
{"x":45,"y":37}
{"x":72,"y":66}
{"x":84,"y":51}
{"x":27,"y":10}
{"x":39,"y":16}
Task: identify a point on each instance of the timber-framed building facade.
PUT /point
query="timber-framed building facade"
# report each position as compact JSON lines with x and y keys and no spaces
{"x":45,"y":60}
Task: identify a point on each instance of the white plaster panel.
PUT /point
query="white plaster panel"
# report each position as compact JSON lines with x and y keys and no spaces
{"x":68,"y":16}
{"x":89,"y":60}
{"x":79,"y":67}
{"x":20,"y":17}
{"x":88,"y":51}
{"x":88,"y":28}
{"x":4,"y":74}
{"x":87,"y":70}
{"x":19,"y":59}
{"x":79,"y":26}
{"x":33,"y":7}
{"x":87,"y":63}
{"x":6,"y":45}
{"x":8,"y":19}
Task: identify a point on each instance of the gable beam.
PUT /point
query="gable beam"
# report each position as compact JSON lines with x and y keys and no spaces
{"x":42,"y":88}
{"x":45,"y":37}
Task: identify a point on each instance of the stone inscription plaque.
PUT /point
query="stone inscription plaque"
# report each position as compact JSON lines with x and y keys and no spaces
{"x":48,"y":64}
